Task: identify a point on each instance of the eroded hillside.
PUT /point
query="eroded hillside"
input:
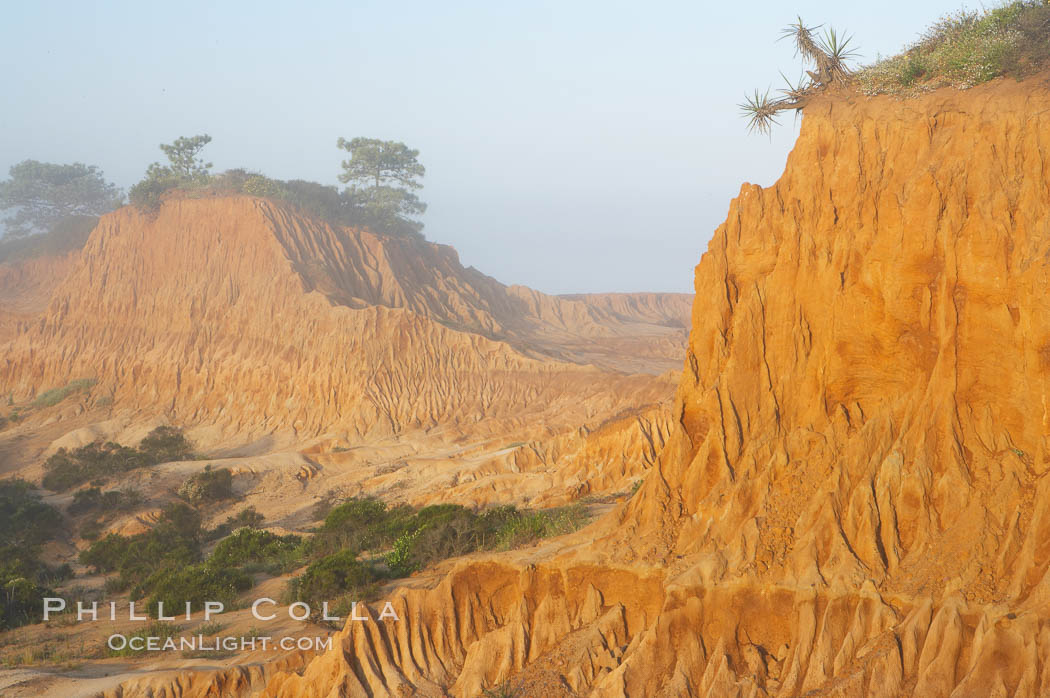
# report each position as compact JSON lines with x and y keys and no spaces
{"x":315,"y":364}
{"x":237,"y":312}
{"x":853,"y":500}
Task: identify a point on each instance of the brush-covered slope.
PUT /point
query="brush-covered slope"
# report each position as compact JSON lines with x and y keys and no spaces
{"x":855,"y":499}
{"x":240,"y":313}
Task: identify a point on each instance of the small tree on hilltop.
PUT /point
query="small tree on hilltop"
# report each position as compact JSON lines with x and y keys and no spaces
{"x":382,"y":176}
{"x":827,"y":53}
{"x":380,"y":162}
{"x":183,"y":159}
{"x":44,"y":195}
{"x":185,"y":169}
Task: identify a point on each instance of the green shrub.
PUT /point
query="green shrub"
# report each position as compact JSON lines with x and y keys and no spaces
{"x":173,"y":543}
{"x":50,"y":398}
{"x":333,"y":576}
{"x":443,"y":531}
{"x":93,"y":498}
{"x":504,"y":690}
{"x":342,"y":208}
{"x":258,"y":550}
{"x":185,"y":170}
{"x":25,"y":524}
{"x":66,"y":469}
{"x":246,"y":517}
{"x":194,"y":584}
{"x":207,"y":486}
{"x":25,"y":521}
{"x":166,"y":444}
{"x":148,"y":194}
{"x":360,"y":525}
{"x":165,"y":564}
{"x":528,"y":527}
{"x":402,"y":559}
{"x":96,"y":461}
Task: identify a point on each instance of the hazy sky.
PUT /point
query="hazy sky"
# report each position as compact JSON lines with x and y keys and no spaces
{"x":569,"y":146}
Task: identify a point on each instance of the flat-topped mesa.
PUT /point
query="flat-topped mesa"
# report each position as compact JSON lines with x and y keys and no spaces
{"x":240,"y":312}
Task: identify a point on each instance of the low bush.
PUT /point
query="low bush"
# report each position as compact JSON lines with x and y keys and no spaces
{"x":166,"y":444}
{"x":174,"y":542}
{"x":92,"y":529}
{"x":194,"y":584}
{"x":166,"y":564}
{"x":260,"y":550}
{"x":447,"y":530}
{"x":361,"y":543}
{"x":50,"y":398}
{"x":26,"y":523}
{"x":360,"y":525}
{"x":334,"y":576}
{"x":93,"y":498}
{"x":326,"y":202}
{"x":207,"y":486}
{"x":96,"y":461}
{"x":247,"y":517}
{"x":416,"y":539}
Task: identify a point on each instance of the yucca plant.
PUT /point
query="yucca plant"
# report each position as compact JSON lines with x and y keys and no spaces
{"x":808,"y":46}
{"x":837,"y":50}
{"x":828,"y":52}
{"x":761,"y":110}
{"x":795,"y":90}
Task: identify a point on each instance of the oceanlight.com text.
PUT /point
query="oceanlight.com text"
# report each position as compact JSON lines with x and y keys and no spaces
{"x":229,"y":643}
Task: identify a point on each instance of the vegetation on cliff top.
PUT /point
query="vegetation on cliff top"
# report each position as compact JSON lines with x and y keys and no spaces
{"x":965,"y":49}
{"x":961,"y":50}
{"x":381,"y":175}
{"x":828,"y":53}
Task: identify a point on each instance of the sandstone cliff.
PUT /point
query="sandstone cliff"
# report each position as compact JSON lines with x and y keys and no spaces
{"x":854,"y":498}
{"x":240,"y":313}
{"x":26,"y":287}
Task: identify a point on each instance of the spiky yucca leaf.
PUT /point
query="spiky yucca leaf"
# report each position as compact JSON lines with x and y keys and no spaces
{"x":806,"y":43}
{"x":796,"y":90}
{"x":761,"y":111}
{"x":837,"y":49}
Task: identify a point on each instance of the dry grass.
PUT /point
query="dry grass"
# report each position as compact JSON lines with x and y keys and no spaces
{"x":966,"y":48}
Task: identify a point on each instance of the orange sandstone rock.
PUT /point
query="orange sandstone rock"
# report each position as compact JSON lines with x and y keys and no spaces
{"x":854,"y":498}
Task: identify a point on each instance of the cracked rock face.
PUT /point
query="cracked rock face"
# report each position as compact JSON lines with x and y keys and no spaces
{"x":854,"y":500}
